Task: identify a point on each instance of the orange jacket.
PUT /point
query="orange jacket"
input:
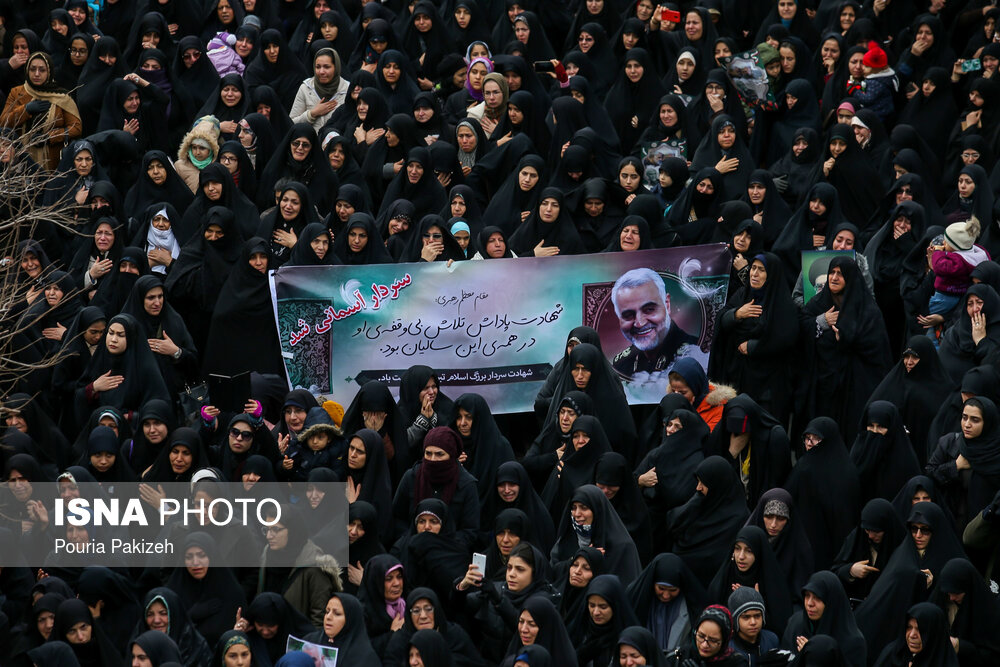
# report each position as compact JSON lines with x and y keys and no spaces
{"x":714,"y":402}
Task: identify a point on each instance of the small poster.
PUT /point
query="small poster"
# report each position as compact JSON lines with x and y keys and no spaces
{"x":655,"y":152}
{"x":815,"y":264}
{"x":323,"y":656}
{"x":749,"y":78}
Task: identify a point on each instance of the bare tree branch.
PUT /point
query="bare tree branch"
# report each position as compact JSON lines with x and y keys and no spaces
{"x":22,"y":215}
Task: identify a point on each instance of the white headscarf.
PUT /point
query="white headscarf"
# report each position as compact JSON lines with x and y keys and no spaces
{"x":162,"y":239}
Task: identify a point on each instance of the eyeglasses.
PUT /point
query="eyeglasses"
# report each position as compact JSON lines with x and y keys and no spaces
{"x":436,"y":237}
{"x":705,"y":639}
{"x":906,"y":190}
{"x":273,"y":530}
{"x":417,"y":611}
{"x":240,"y":434}
{"x":970,"y":156}
{"x":301,"y":144}
{"x":492,"y":93}
{"x":227,"y":158}
{"x":79,"y":52}
{"x":191,"y":56}
{"x":920,"y":530}
{"x":104,"y":234}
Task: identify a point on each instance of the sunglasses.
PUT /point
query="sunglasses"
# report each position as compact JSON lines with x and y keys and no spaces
{"x":240,"y":434}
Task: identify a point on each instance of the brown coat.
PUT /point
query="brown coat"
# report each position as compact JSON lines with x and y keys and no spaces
{"x":308,"y":587}
{"x":63,"y":128}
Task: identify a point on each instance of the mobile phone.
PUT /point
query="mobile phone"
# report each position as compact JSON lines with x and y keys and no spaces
{"x":670,"y":15}
{"x":479,"y":560}
{"x":543,"y":66}
{"x":972,"y":65}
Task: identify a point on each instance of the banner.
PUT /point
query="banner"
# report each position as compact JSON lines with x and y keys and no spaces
{"x":496,"y":327}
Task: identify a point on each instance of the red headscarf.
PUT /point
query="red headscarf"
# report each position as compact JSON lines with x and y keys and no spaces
{"x":441,"y":474}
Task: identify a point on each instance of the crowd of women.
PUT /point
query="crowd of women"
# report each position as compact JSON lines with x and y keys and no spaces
{"x":824,"y":492}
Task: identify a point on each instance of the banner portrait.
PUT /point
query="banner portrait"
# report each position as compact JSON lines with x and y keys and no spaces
{"x":496,"y":327}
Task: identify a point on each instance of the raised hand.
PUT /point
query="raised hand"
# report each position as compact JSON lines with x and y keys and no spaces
{"x":353,"y":491}
{"x":978,"y":327}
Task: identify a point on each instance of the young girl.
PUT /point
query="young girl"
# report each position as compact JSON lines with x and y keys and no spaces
{"x":953,"y":262}
{"x":319,"y":445}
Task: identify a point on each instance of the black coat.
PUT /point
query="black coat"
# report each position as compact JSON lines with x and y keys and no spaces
{"x":703,"y":528}
{"x":918,"y":394}
{"x":884,"y":460}
{"x":767,"y":454}
{"x":764,"y":372}
{"x":463,"y":509}
{"x":841,"y":369}
{"x":881,"y":617}
{"x":836,"y":621}
{"x":878,"y":515}
{"x":826,"y":490}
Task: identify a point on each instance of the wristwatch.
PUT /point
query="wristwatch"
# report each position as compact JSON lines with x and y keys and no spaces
{"x":177,"y":355}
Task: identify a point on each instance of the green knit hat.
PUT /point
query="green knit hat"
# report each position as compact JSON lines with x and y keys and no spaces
{"x":766,"y":54}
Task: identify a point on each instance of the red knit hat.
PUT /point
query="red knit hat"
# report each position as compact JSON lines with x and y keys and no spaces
{"x":875,"y":57}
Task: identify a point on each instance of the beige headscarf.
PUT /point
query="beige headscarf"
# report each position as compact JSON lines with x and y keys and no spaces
{"x":49,"y":91}
{"x":501,"y":110}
